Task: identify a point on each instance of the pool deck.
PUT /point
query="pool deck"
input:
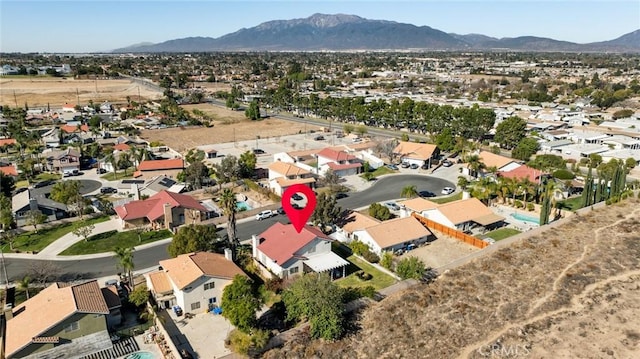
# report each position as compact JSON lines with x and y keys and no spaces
{"x":507,"y":211}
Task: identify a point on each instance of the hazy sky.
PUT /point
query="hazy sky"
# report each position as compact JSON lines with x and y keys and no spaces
{"x":93,"y":26}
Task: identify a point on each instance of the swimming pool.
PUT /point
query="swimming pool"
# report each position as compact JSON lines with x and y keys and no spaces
{"x":243,"y":206}
{"x":141,"y":355}
{"x":522,"y":217}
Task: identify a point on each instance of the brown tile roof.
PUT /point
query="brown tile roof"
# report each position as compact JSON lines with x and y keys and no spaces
{"x":50,"y":307}
{"x":7,"y":141}
{"x":186,"y":268}
{"x":287,"y":169}
{"x":418,"y":204}
{"x":160,"y":282}
{"x":283,"y":182}
{"x":336,"y":156}
{"x":522,"y":172}
{"x":9,"y":170}
{"x":420,"y":151}
{"x":153,"y":207}
{"x":492,"y":160}
{"x":465,"y":210}
{"x":396,"y":231}
{"x":122,"y":147}
{"x":357,"y":221}
{"x":159,"y":165}
{"x":72,"y":129}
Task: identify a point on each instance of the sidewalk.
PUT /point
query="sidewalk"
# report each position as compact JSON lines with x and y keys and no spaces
{"x":51,"y":251}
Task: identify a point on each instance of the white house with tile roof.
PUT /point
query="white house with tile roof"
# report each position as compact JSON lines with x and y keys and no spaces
{"x":393,"y":234}
{"x":282,"y":175}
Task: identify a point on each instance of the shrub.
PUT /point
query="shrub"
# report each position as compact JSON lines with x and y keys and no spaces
{"x":411,"y":267}
{"x":358,"y":247}
{"x":371,"y":257}
{"x":530,"y":207}
{"x":518,"y":204}
{"x":379,"y":212}
{"x":387,"y":260}
{"x":274,"y":284}
{"x":352,"y":293}
{"x":564,"y":175}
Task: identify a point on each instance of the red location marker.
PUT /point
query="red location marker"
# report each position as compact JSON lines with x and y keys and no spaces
{"x":298,"y":217}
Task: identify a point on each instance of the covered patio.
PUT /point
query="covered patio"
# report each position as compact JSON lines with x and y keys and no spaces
{"x":329,"y":261}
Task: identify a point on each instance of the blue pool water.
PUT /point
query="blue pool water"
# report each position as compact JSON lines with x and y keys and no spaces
{"x":141,"y":355}
{"x":524,"y":218}
{"x":243,"y":206}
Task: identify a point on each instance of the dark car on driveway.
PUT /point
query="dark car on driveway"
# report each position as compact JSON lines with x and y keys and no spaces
{"x":108,"y":190}
{"x":426,"y":194}
{"x":258,"y":151}
{"x":414,"y":166}
{"x":319,"y":138}
{"x":101,"y":171}
{"x":296,"y":197}
{"x":392,"y":167}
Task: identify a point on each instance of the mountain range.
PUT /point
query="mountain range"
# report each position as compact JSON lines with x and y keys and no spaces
{"x":341,"y":32}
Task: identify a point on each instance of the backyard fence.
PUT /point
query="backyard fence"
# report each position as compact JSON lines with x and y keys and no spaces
{"x":453,"y":233}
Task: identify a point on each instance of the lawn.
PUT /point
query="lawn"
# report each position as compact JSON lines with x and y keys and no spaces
{"x":108,"y":241}
{"x":382,"y":170}
{"x":121,"y":175}
{"x":44,"y":176}
{"x":380,"y":280}
{"x":501,"y":233}
{"x":32,"y":241}
{"x":442,"y":200}
{"x":572,"y":204}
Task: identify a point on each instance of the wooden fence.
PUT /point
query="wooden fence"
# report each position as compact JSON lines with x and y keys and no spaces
{"x":454,"y":233}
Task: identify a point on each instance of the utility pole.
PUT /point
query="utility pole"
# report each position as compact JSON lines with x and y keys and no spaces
{"x":15,"y":99}
{"x":77,"y":97}
{"x":139,"y":94}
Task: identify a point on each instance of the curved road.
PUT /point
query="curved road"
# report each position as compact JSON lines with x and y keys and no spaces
{"x":386,"y":188}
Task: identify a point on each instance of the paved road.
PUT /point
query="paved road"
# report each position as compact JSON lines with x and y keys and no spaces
{"x":386,"y":188}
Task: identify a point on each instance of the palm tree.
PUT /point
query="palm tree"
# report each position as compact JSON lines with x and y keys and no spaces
{"x":229,"y":206}
{"x":475,"y":165}
{"x":409,"y":192}
{"x":114,"y":163}
{"x":125,"y":261}
{"x":528,"y":188}
{"x":503,"y":188}
{"x":24,"y":284}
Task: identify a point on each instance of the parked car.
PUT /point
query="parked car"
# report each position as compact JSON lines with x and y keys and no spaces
{"x":280,"y":210}
{"x":296,"y":197}
{"x":426,"y":194}
{"x":177,"y":310}
{"x":341,"y":195}
{"x":392,"y":167}
{"x":448,"y":190}
{"x":405,"y":165}
{"x":424,"y":166}
{"x":392,"y":206}
{"x":264,"y":215}
{"x":258,"y":151}
{"x":101,"y":171}
{"x":447,"y":163}
{"x":105,"y":190}
{"x":414,"y":166}
{"x":319,"y":138}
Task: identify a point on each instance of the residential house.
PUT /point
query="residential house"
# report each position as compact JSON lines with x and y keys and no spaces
{"x":6,"y":142}
{"x":159,"y":184}
{"x":583,"y":150}
{"x":112,"y":298}
{"x":621,"y":155}
{"x":493,"y":161}
{"x":283,"y":175}
{"x":354,"y":222}
{"x":69,"y":107}
{"x":51,"y":138}
{"x":393,"y":234}
{"x":164,"y":209}
{"x":555,"y":146}
{"x":193,"y":281}
{"x":9,"y":170}
{"x":464,"y":215}
{"x":519,"y":173}
{"x":62,"y":321}
{"x":63,"y":160}
{"x":152,"y":168}
{"x":619,"y":142}
{"x":340,"y":162}
{"x":37,"y":199}
{"x":587,"y":137}
{"x":284,"y":252}
{"x":212,"y":153}
{"x":417,"y":153}
{"x":418,"y":205}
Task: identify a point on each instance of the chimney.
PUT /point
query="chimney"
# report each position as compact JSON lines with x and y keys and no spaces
{"x":228,"y":254}
{"x":168,"y":216}
{"x":254,"y":246}
{"x":466,"y":195}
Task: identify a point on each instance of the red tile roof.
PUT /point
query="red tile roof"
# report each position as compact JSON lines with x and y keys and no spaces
{"x":336,"y":156}
{"x":153,"y":207}
{"x":337,"y":167}
{"x":522,"y":172}
{"x":72,"y":129}
{"x":281,"y":241}
{"x":7,"y":141}
{"x":157,"y":165}
{"x":9,"y":170}
{"x":122,"y":147}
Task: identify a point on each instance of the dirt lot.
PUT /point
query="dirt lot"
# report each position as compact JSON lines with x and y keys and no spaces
{"x":57,"y":91}
{"x":442,"y":251}
{"x":570,"y":292}
{"x":228,"y":126}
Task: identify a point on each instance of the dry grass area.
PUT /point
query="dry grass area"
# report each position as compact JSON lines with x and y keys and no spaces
{"x":58,"y":91}
{"x":571,"y":292}
{"x":228,"y":125}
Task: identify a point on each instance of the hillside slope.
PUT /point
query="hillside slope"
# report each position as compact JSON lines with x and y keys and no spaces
{"x":569,"y":292}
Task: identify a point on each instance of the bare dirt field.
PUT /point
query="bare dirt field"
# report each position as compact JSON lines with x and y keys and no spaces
{"x":58,"y":91}
{"x":442,"y":251}
{"x":228,"y":126}
{"x":570,"y":292}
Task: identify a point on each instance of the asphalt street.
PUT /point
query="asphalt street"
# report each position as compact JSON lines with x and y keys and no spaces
{"x":387,"y":188}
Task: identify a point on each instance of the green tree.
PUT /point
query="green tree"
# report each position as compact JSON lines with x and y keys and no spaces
{"x":526,"y":148}
{"x":194,"y":174}
{"x":194,"y":238}
{"x":630,"y":162}
{"x":24,"y":284}
{"x":83,"y":230}
{"x":445,"y":140}
{"x":247,"y":164}
{"x":510,"y":132}
{"x":327,"y":211}
{"x":6,"y":213}
{"x":463,"y":182}
{"x":227,"y":170}
{"x":545,"y":207}
{"x":386,"y":261}
{"x":139,"y":295}
{"x":379,"y":212}
{"x":229,"y":207}
{"x":7,"y":185}
{"x":253,"y":111}
{"x":410,"y":267}
{"x":404,"y":137}
{"x":35,"y":218}
{"x":347,"y":128}
{"x":331,"y":179}
{"x":361,"y":130}
{"x":475,"y":165}
{"x":317,"y":298}
{"x":409,"y":191}
{"x":124,"y":255}
{"x":65,"y":191}
{"x":240,"y":303}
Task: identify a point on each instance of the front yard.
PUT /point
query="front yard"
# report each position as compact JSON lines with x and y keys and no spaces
{"x":35,"y":242}
{"x":379,"y":279}
{"x":108,"y":241}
